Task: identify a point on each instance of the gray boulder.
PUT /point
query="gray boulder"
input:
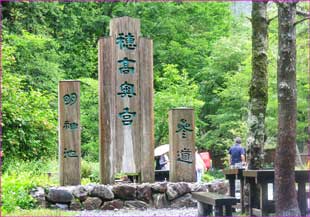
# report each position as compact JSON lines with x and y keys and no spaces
{"x":102,"y":191}
{"x":61,"y":206}
{"x":175,"y":190}
{"x":198,"y":187}
{"x":112,"y":205}
{"x":159,"y":187}
{"x":59,"y":195}
{"x":136,"y":204}
{"x":218,"y":186}
{"x":184,"y":201}
{"x":92,"y":203}
{"x":144,"y":192}
{"x":124,"y":192}
{"x":80,"y":193}
{"x":160,"y":201}
{"x":89,"y":188}
{"x":39,"y":195}
{"x":75,"y":205}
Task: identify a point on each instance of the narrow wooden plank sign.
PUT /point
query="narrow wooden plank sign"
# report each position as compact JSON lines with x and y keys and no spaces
{"x":182,"y":145}
{"x":69,"y":133}
{"x":126,"y":102}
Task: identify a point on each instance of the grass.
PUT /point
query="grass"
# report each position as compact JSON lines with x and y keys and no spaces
{"x":19,"y":178}
{"x":41,"y":212}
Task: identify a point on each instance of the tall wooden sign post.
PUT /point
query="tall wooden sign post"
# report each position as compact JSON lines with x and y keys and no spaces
{"x":182,"y":145}
{"x":126,"y":102}
{"x":69,"y":132}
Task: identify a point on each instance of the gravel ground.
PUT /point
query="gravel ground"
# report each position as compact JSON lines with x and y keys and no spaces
{"x":147,"y":212}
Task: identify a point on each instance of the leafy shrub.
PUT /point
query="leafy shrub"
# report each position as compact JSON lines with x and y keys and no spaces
{"x":89,"y":119}
{"x":86,"y":169}
{"x":29,"y":122}
{"x":175,"y":89}
{"x":90,"y":171}
{"x":211,"y":175}
{"x":15,"y":192}
{"x":19,"y":178}
{"x":35,"y":57}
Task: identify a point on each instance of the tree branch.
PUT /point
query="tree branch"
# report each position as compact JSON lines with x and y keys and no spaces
{"x":303,"y":13}
{"x":249,"y":19}
{"x":302,"y":20}
{"x":271,"y":19}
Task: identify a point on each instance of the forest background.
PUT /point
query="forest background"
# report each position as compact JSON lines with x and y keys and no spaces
{"x":202,"y":59}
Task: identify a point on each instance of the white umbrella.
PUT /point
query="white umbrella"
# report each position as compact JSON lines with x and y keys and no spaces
{"x":160,"y":150}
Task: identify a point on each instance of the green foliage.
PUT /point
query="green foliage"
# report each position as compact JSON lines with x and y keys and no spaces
{"x":89,"y":118}
{"x":41,"y":212}
{"x":90,"y":171}
{"x":176,"y":89}
{"x":86,"y":169}
{"x":29,"y":123}
{"x":226,"y":81}
{"x":16,"y":192}
{"x":211,"y":175}
{"x":202,"y":59}
{"x":35,"y":57}
{"x":20,"y":177}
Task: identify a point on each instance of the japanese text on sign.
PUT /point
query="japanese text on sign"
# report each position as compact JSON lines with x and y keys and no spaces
{"x":183,"y":127}
{"x":70,"y":99}
{"x":70,"y":153}
{"x":125,"y":68}
{"x":126,"y":41}
{"x":70,"y":125}
{"x":185,"y":155}
{"x":126,"y":116}
{"x":127,"y":90}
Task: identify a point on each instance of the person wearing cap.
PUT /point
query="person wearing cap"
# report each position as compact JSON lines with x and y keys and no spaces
{"x":237,"y":153}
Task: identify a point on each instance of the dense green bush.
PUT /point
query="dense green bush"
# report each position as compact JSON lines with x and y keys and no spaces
{"x":19,"y":178}
{"x":211,"y":175}
{"x":90,"y":119}
{"x":29,"y":122}
{"x":35,"y":57}
{"x":175,"y":89}
{"x":90,"y":171}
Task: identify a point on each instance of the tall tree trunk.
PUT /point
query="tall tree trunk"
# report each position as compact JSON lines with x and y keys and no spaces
{"x":286,"y":198}
{"x":258,"y":91}
{"x":259,"y":86}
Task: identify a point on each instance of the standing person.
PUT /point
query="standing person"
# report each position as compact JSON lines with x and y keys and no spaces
{"x":237,"y":154}
{"x":164,"y":162}
{"x":200,"y":167}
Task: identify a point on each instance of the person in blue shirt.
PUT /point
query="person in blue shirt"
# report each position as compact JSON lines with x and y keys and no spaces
{"x":237,"y":153}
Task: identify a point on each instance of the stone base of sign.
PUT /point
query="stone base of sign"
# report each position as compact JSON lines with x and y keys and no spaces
{"x":110,"y":197}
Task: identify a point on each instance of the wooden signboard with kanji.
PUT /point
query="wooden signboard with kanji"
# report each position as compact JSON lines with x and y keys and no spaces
{"x":69,"y":132}
{"x":182,"y":145}
{"x":126,"y":102}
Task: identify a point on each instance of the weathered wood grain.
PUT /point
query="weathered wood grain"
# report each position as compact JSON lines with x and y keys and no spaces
{"x":126,"y":148}
{"x":107,"y":113}
{"x":182,"y":170}
{"x":69,"y":133}
{"x":147,"y":115}
{"x":128,"y":137}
